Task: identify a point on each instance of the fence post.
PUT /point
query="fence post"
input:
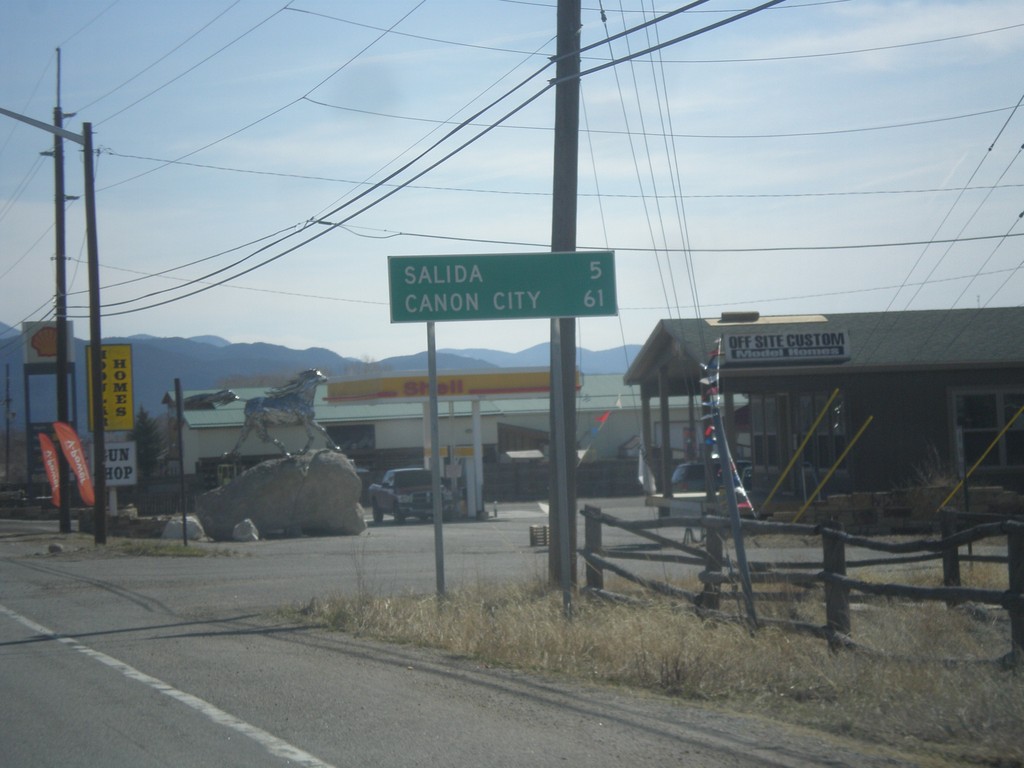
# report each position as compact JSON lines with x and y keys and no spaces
{"x":1015,"y":558}
{"x":950,"y":555}
{"x":837,"y":596}
{"x":711,"y":597}
{"x":593,"y":544}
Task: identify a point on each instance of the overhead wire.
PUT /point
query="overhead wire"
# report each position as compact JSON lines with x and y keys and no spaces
{"x":330,"y":226}
{"x":167,"y":272}
{"x":19,"y":190}
{"x":89,"y":23}
{"x":403,"y":186}
{"x":711,"y":136}
{"x":681,"y":38}
{"x":847,"y":52}
{"x":411,"y":35}
{"x":673,"y":301}
{"x":873,"y":333}
{"x":659,"y":74}
{"x":1011,"y":274}
{"x":547,"y":193}
{"x":963,"y":228}
{"x":389,"y":193}
{"x":204,"y":279}
{"x":981,"y":267}
{"x":648,"y":218}
{"x":382,"y":197}
{"x":190,"y":69}
{"x":165,"y":56}
{"x":272,"y":113}
{"x":950,"y":209}
{"x":460,"y":125}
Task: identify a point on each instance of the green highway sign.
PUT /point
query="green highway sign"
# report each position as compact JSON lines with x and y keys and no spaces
{"x":507,"y":286}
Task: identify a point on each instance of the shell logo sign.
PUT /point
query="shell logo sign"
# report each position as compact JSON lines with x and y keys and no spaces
{"x":41,"y":342}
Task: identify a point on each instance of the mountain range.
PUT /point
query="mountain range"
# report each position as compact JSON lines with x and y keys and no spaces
{"x":209,"y":362}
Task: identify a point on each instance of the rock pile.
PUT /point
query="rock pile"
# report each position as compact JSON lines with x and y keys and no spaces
{"x":314,"y":494}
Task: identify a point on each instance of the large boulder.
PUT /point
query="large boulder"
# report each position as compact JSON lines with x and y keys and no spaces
{"x":316,"y":494}
{"x":193,"y":530}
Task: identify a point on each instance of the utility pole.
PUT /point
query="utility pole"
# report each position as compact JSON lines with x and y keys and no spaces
{"x":95,"y":344}
{"x":562,"y":515}
{"x":7,"y":423}
{"x":96,"y":339}
{"x":61,"y":305}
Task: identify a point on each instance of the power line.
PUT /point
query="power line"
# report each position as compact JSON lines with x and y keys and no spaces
{"x":173,"y":50}
{"x":410,"y":35}
{"x":386,"y":233}
{"x":192,"y":68}
{"x":849,"y":52}
{"x":681,"y":38}
{"x":267,"y":116}
{"x":547,"y":193}
{"x":407,"y":166}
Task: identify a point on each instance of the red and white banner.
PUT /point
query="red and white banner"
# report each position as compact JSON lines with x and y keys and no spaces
{"x":50,"y":465}
{"x":72,"y":448}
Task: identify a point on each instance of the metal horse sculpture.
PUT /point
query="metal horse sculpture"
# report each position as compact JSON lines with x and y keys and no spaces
{"x":290,"y":404}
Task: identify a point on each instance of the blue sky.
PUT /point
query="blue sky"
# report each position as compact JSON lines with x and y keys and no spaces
{"x":820,"y":156}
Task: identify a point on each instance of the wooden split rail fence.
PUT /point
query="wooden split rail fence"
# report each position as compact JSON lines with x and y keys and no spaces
{"x":832,"y":571}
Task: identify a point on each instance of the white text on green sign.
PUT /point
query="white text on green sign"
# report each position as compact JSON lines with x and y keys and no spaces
{"x":502,"y":286}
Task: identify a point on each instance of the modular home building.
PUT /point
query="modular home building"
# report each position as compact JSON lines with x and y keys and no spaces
{"x":882,"y":400}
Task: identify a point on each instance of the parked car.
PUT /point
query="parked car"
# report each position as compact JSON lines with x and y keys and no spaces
{"x":690,"y":478}
{"x":407,"y":492}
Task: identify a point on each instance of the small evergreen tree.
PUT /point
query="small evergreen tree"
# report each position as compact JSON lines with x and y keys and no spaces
{"x":149,"y":444}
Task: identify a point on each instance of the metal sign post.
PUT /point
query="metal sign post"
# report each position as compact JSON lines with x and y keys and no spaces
{"x":435,"y":461}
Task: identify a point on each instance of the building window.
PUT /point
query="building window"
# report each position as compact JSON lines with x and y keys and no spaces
{"x":764,"y":423}
{"x":981,"y":416}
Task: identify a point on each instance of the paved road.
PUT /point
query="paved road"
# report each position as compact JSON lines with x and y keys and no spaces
{"x":124,"y":661}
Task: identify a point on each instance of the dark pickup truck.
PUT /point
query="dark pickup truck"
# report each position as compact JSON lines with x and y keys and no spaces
{"x":406,"y":493}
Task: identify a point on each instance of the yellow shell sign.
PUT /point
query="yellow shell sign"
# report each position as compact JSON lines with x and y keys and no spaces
{"x":451,"y":386}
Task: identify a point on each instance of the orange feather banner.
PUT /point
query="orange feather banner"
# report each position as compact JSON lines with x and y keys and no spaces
{"x":72,"y":448}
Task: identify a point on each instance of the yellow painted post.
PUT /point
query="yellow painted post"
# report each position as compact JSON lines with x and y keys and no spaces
{"x":981,"y":458}
{"x":800,"y":450}
{"x":833,"y":469}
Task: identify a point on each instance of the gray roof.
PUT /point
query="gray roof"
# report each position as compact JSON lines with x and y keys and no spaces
{"x":978,"y":337}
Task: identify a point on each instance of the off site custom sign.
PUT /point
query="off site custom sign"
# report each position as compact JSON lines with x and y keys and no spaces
{"x":788,"y":348}
{"x":502,"y":286}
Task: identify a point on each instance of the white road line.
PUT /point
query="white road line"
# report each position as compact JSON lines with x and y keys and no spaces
{"x":275,"y":746}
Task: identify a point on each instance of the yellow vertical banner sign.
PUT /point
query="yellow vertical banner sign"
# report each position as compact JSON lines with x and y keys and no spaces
{"x":118,"y":396}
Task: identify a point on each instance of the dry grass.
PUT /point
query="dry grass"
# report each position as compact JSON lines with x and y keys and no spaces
{"x":931,"y":683}
{"x":161,"y":548}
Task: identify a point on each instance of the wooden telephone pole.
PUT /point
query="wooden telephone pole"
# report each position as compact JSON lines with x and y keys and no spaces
{"x":61,"y":302}
{"x":562,"y":514}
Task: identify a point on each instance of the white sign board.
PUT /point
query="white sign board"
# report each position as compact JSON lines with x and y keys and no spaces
{"x":40,"y":342}
{"x":790,"y":348}
{"x":121,"y":466}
